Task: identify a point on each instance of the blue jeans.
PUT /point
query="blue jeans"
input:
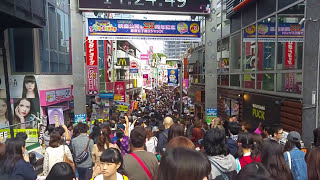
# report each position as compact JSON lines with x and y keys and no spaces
{"x":85,"y":173}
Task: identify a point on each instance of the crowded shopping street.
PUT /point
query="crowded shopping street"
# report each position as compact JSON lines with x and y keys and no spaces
{"x":159,"y":89}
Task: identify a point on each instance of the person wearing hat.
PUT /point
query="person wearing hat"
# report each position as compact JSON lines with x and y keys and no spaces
{"x":295,"y":157}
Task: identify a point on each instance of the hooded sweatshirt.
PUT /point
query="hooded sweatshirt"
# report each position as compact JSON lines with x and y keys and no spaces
{"x":225,"y":164}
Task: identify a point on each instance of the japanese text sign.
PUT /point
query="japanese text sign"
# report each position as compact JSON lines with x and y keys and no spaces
{"x":92,"y":52}
{"x":92,"y":80}
{"x":120,"y":91}
{"x":102,"y":29}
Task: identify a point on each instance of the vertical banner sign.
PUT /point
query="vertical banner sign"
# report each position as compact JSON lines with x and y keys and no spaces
{"x":186,"y":66}
{"x":92,"y":52}
{"x":92,"y":80}
{"x":289,"y":64}
{"x":173,"y":77}
{"x":120,"y":91}
{"x":211,"y":114}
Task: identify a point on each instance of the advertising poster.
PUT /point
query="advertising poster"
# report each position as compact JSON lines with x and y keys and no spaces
{"x":173,"y":77}
{"x":92,"y":80}
{"x":211,"y":114}
{"x":113,"y":29}
{"x":92,"y":52}
{"x":55,"y":115}
{"x":80,"y":118}
{"x":120,"y":91}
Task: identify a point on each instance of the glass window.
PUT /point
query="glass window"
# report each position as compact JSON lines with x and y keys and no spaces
{"x":235,"y":56}
{"x":224,"y":80}
{"x":67,"y":32}
{"x":236,"y":22}
{"x":21,"y":50}
{"x":61,"y":31}
{"x":289,"y":82}
{"x":54,"y":62}
{"x":62,"y":63}
{"x":248,"y":81}
{"x":249,"y":14}
{"x":223,"y":55}
{"x":266,"y":7}
{"x":249,"y":49}
{"x":235,"y":80}
{"x":52,"y":18}
{"x":284,"y":3}
{"x":265,"y":82}
{"x":290,"y":38}
{"x":266,"y":44}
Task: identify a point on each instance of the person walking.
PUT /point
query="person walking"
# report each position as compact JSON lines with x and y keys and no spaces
{"x":163,"y":136}
{"x":140,"y":164}
{"x":82,"y":147}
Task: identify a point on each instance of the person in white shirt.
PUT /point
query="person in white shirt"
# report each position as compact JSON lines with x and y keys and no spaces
{"x":151,"y":141}
{"x":55,"y":152}
{"x":112,"y":163}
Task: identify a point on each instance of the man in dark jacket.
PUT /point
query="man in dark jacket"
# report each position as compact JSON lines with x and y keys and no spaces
{"x":233,"y":129}
{"x":163,"y":136}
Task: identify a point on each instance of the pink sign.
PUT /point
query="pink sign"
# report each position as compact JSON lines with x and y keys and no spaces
{"x":145,"y":76}
{"x":92,"y":80}
{"x":50,"y":97}
{"x":120,"y":91}
{"x":185,"y":83}
{"x":144,"y":56}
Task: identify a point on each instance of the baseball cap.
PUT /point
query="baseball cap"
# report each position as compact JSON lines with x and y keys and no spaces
{"x":294,"y":136}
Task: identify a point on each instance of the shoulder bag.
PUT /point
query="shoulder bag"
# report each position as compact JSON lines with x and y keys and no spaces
{"x":67,"y":160}
{"x":82,"y":157}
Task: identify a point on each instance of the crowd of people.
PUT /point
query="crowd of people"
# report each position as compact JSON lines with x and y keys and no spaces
{"x":156,"y":143}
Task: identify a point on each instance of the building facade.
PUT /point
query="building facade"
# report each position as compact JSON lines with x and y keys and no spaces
{"x":267,"y":73}
{"x":175,"y":49}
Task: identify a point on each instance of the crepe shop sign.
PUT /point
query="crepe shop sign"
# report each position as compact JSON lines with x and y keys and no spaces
{"x":49,"y":97}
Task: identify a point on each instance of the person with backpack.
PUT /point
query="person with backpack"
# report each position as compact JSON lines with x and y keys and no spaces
{"x":82,"y":147}
{"x":163,"y":136}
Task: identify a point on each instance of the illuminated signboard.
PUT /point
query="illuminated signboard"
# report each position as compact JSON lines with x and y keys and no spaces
{"x":234,"y":5}
{"x":148,"y":6}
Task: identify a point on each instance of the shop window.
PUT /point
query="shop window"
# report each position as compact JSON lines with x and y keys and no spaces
{"x":223,"y":55}
{"x":231,"y":107}
{"x":290,"y":40}
{"x":224,"y":80}
{"x":249,"y":60}
{"x":248,"y":81}
{"x":21,"y":50}
{"x":266,"y":7}
{"x":289,"y":82}
{"x":235,"y":80}
{"x":266,"y":44}
{"x":235,"y":56}
{"x":249,"y":14}
{"x":265,"y":82}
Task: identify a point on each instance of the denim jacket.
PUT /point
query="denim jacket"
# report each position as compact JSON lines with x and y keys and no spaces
{"x":298,"y":164}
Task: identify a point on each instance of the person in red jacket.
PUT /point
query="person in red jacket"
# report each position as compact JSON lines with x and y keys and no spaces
{"x":197,"y":133}
{"x":248,"y":154}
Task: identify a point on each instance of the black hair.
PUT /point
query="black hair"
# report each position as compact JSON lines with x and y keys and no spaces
{"x":179,"y":163}
{"x":275,"y":130}
{"x":83,"y":128}
{"x":13,"y":153}
{"x":138,"y":137}
{"x":214,"y":142}
{"x":290,"y":145}
{"x":29,"y":79}
{"x":50,"y":128}
{"x":234,"y":128}
{"x":316,"y":135}
{"x":119,"y":134}
{"x":61,"y":171}
{"x":112,"y":155}
{"x":60,"y":130}
{"x":254,"y":171}
{"x":22,"y":135}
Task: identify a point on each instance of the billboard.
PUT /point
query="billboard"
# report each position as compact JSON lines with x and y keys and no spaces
{"x":173,"y":77}
{"x":114,"y":29}
{"x":187,"y":7}
{"x":120,"y":91}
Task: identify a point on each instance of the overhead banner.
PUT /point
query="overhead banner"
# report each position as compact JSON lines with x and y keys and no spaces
{"x":114,"y":29}
{"x":197,"y":7}
{"x":173,"y":77}
{"x":120,"y":91}
{"x":266,"y":32}
{"x":92,"y":80}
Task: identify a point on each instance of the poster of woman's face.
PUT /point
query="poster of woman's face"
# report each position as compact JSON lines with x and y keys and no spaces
{"x":24,"y":108}
{"x":3,"y":114}
{"x":23,"y":86}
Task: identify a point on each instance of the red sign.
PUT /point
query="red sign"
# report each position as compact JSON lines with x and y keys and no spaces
{"x":92,"y":80}
{"x":120,"y":91}
{"x":133,"y":65}
{"x":290,"y":54}
{"x":145,"y":76}
{"x":92,"y":52}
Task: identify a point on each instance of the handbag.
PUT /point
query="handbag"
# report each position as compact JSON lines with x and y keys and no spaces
{"x":67,"y":160}
{"x":82,"y":157}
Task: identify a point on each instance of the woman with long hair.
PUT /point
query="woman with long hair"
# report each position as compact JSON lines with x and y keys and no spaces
{"x":61,"y":171}
{"x":180,"y":163}
{"x":55,"y":152}
{"x":14,"y":165}
{"x":313,"y":163}
{"x":103,"y":143}
{"x":30,"y":88}
{"x":175,"y":130}
{"x":273,"y":160}
{"x":151,"y":141}
{"x":295,"y":157}
{"x":23,"y":111}
{"x":3,"y":114}
{"x":112,"y":166}
{"x":246,"y":153}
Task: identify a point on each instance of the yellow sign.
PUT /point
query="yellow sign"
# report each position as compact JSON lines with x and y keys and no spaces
{"x":123,"y":61}
{"x":117,"y":97}
{"x":123,"y":108}
{"x":32,"y":133}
